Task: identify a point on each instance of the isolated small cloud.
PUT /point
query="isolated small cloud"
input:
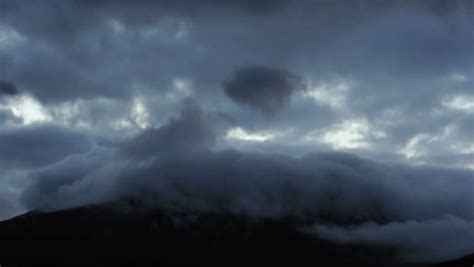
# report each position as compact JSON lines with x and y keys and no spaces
{"x":7,"y":88}
{"x":263,"y":89}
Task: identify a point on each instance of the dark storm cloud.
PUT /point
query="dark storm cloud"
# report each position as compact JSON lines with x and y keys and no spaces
{"x":264,"y":89}
{"x":327,"y":188}
{"x":39,"y":145}
{"x":253,"y":6}
{"x":50,"y":76}
{"x":7,"y":88}
{"x":397,"y":58}
{"x":72,"y":51}
{"x":84,"y":49}
{"x":409,"y":43}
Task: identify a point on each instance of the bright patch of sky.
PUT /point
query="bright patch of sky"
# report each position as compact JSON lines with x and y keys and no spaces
{"x":243,"y":135}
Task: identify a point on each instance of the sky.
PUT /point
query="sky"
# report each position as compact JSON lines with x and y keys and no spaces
{"x":361,"y":110}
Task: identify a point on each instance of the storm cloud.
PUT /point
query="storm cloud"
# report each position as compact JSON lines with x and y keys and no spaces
{"x":7,"y":88}
{"x":161,"y":101}
{"x":264,"y":89}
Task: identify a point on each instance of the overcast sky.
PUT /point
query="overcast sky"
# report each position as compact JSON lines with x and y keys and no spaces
{"x":91,"y":91}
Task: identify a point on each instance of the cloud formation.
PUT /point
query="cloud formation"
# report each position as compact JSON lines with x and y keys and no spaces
{"x":190,"y":130}
{"x":432,"y":240}
{"x":39,"y":145}
{"x":90,"y":92}
{"x":178,"y":171}
{"x":7,"y":88}
{"x":264,"y":89}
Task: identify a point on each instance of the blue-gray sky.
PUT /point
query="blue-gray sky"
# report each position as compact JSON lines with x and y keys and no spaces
{"x":95,"y":92}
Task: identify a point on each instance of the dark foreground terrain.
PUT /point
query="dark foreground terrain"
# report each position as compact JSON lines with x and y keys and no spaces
{"x":101,"y":236}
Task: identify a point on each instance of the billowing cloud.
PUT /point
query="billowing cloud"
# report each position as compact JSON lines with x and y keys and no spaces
{"x":182,"y":134}
{"x":262,"y":88}
{"x":76,"y":180}
{"x":39,"y":145}
{"x":178,"y":169}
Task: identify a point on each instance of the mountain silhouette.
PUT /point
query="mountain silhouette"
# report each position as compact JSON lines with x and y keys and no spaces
{"x":111,"y":235}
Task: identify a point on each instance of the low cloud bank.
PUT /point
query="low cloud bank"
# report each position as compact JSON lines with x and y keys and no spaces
{"x":433,"y":240}
{"x":176,"y":167}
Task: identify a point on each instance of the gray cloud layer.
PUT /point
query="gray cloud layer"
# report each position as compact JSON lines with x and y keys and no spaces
{"x":39,"y":146}
{"x":89,"y":91}
{"x":432,"y":240}
{"x":85,"y":46}
{"x":400,"y":62}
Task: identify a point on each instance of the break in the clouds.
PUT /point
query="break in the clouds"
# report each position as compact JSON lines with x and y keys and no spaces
{"x":91,"y":110}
